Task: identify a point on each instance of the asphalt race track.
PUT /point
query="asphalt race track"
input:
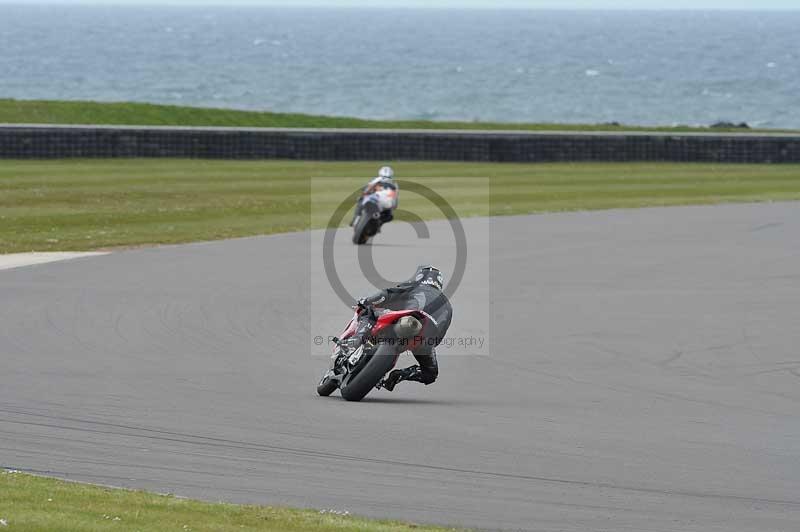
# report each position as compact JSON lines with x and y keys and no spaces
{"x":643,"y":374}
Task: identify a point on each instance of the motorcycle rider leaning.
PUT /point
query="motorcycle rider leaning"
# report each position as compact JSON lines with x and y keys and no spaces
{"x":385,"y":179}
{"x":421,"y":292}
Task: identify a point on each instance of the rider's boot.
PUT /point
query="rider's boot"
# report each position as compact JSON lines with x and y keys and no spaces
{"x":411,"y":373}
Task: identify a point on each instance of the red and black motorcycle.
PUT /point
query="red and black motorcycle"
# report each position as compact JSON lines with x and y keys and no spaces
{"x":360,"y":361}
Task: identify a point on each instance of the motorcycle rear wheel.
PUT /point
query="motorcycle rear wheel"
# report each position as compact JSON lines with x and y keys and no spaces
{"x":361,"y":384}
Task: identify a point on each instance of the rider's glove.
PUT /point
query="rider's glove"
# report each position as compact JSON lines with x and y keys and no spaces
{"x":364,"y":308}
{"x":361,"y":305}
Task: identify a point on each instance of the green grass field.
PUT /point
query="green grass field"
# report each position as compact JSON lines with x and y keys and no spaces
{"x":96,"y":204}
{"x":36,"y":504}
{"x":126,"y":113}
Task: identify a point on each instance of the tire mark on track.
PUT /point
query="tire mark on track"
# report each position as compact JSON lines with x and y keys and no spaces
{"x":192,"y":439}
{"x":638,"y":391}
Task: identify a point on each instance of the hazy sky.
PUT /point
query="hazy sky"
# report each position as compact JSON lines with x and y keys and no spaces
{"x":563,"y":4}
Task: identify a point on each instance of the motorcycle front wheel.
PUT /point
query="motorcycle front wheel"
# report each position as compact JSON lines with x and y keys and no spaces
{"x":365,"y":225}
{"x":326,"y":386}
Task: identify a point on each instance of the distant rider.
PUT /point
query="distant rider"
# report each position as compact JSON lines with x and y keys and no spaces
{"x":421,"y":292}
{"x":384,"y":182}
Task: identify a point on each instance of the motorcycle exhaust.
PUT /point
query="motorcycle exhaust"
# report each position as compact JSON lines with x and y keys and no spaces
{"x":407,"y":327}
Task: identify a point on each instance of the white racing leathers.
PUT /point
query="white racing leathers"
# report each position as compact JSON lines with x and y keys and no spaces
{"x":387,"y":200}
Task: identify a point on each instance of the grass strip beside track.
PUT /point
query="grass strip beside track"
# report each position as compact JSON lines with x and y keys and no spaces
{"x":75,"y":205}
{"x":37,"y":504}
{"x":146,"y":114}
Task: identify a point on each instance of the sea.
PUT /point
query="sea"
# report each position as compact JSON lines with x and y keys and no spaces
{"x":632,"y":67}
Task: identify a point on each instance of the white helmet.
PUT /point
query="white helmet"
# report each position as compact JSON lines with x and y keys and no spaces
{"x":386,"y":172}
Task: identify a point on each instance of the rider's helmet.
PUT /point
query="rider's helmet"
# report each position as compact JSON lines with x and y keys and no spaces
{"x":386,"y":178}
{"x":386,"y":172}
{"x":429,"y":275}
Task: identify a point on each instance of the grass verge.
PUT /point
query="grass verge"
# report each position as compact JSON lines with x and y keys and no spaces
{"x":74,"y":205}
{"x":37,"y":504}
{"x":144,"y":114}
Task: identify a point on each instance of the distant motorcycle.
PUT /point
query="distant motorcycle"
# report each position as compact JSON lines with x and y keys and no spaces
{"x":376,"y":210}
{"x":360,"y":361}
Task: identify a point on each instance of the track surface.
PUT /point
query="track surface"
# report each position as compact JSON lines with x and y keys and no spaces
{"x":644,"y":375}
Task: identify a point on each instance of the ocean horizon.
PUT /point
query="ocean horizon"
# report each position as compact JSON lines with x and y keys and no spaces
{"x":657,"y":68}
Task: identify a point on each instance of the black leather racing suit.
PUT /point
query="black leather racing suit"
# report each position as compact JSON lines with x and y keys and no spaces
{"x":420,"y":296}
